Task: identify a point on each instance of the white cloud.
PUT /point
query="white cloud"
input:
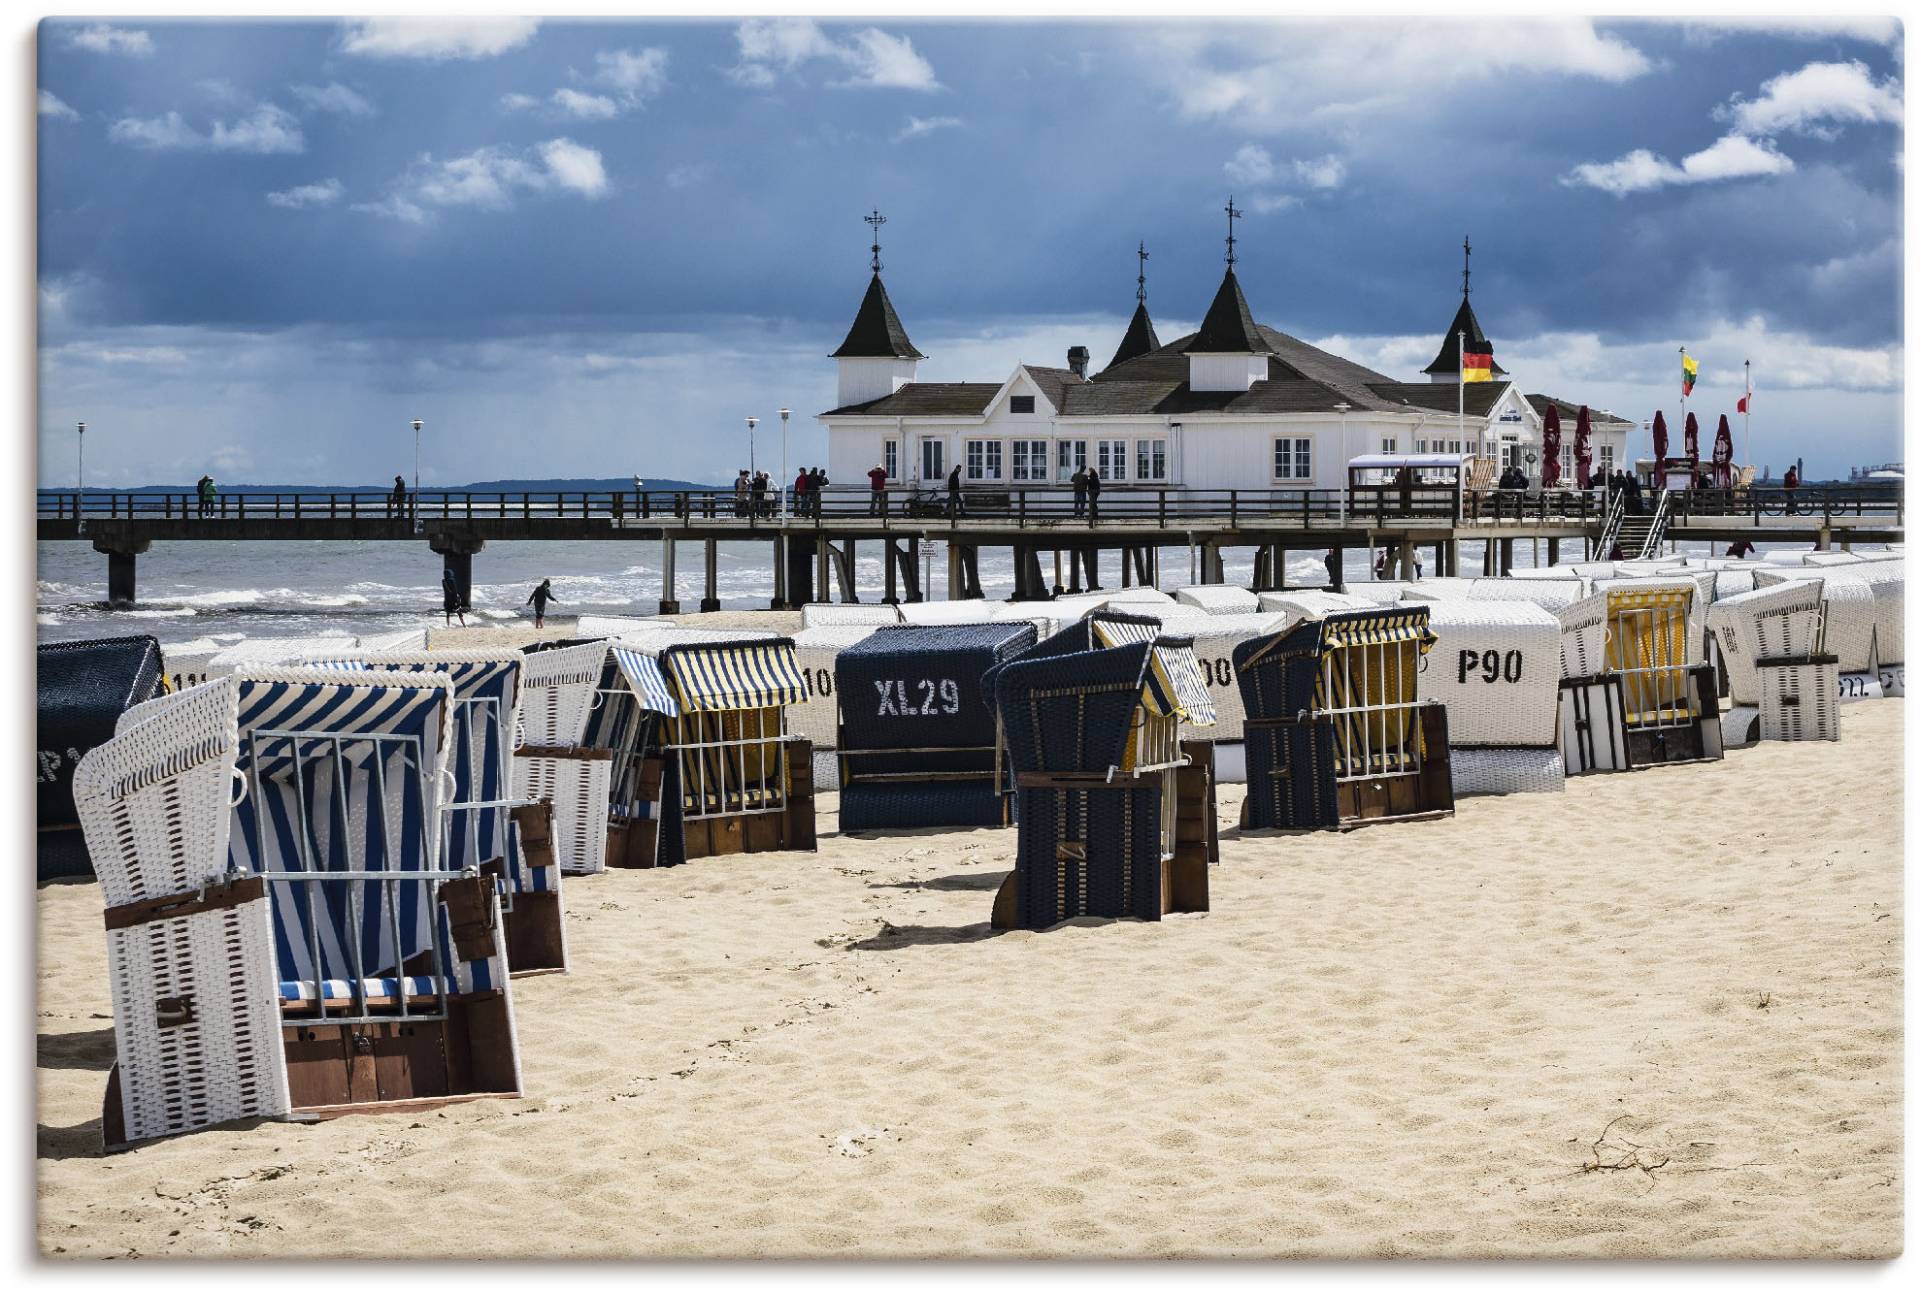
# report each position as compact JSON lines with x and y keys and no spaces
{"x":489,"y":179}
{"x":634,"y":75}
{"x":918,"y":126}
{"x":266,"y":129}
{"x":52,"y":106}
{"x":1860,"y":27}
{"x":689,"y":174}
{"x":436,"y":38}
{"x":325,"y":193}
{"x":1286,"y":75}
{"x":99,"y":38}
{"x":586,"y":107}
{"x":1268,"y":203}
{"x":1252,"y":164}
{"x":518,"y":102}
{"x":334,"y":97}
{"x":870,"y":58}
{"x":1731,"y":157}
{"x":1323,"y":172}
{"x":1816,"y":98}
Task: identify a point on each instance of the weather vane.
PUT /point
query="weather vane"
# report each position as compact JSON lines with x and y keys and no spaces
{"x":876,"y":220}
{"x":1466,"y":273}
{"x":1141,"y":293}
{"x":1233,"y":213}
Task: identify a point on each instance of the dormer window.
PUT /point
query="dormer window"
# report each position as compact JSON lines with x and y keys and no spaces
{"x":1020,"y":403}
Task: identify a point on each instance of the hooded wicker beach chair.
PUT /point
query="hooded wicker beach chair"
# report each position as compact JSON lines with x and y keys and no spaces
{"x":1337,"y":733}
{"x":1495,"y":665}
{"x":1214,"y":599}
{"x":487,"y":827}
{"x":825,"y":614}
{"x":1635,"y":689}
{"x":284,"y":936}
{"x":1863,"y":617}
{"x":703,"y":761}
{"x":554,"y":763}
{"x":84,"y":687}
{"x":917,"y":740}
{"x":1115,"y":813}
{"x":817,"y":652}
{"x":1774,"y":643}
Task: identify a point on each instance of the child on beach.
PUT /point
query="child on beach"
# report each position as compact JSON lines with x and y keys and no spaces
{"x":451,"y":603}
{"x":541,"y":595}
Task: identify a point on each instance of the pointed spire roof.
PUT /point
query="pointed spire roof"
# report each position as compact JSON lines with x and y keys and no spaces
{"x":1139,"y":340}
{"x":1447,"y":362}
{"x":1229,"y":327}
{"x":876,"y":332}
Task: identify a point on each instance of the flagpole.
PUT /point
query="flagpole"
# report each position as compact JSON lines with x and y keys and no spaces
{"x":1683,"y":405}
{"x":1460,"y":417}
{"x":1746,"y":409}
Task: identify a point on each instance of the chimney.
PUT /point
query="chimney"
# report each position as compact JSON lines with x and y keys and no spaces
{"x":1077,"y":358}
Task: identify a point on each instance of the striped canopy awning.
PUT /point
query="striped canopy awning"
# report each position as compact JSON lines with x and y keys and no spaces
{"x":645,"y":680}
{"x":720,"y":678}
{"x":1122,"y":632}
{"x":1175,"y":687}
{"x":1378,"y":628}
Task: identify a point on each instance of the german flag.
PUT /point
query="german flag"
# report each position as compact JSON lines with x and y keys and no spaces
{"x":1477,"y":364}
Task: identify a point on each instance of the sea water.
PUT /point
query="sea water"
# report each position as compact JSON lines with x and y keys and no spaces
{"x":227,"y":591}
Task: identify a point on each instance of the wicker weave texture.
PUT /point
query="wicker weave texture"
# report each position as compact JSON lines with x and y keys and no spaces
{"x":1092,"y":852}
{"x":1800,"y":702}
{"x":1779,"y":621}
{"x":579,"y":789}
{"x":1496,"y":666}
{"x":1218,"y":599}
{"x":1507,"y":771}
{"x":1852,"y":617}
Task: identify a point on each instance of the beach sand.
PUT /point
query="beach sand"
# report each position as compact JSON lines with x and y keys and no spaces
{"x":1657,"y":1015}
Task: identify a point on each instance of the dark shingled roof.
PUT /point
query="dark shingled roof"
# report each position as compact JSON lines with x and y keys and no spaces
{"x":1139,"y":340}
{"x":1443,"y":397}
{"x":1228,"y":327}
{"x":1448,"y":360}
{"x":876,"y":332}
{"x":1568,"y":412}
{"x":1054,"y":382}
{"x":927,"y":399}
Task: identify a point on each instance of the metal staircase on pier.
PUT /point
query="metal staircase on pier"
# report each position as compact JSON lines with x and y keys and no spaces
{"x":1638,"y":536}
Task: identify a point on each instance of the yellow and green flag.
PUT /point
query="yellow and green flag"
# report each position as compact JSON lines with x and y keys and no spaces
{"x":1689,"y":373}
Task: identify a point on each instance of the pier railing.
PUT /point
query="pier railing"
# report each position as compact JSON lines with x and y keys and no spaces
{"x":1020,"y":506}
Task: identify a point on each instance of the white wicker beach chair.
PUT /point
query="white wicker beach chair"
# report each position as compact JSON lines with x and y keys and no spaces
{"x":1853,"y":613}
{"x":1496,"y":667}
{"x":283,"y":935}
{"x":1213,"y":598}
{"x":614,"y":625}
{"x":558,"y":691}
{"x":1652,"y":699}
{"x":817,"y":718}
{"x":1552,"y":594}
{"x":820,"y":614}
{"x":1310,"y":603}
{"x":1774,"y":644}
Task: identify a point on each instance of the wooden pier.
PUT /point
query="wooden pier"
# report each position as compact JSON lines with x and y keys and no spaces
{"x":1056,"y":545}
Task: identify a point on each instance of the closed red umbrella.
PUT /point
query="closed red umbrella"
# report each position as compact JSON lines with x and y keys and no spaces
{"x":1659,"y":442}
{"x":1693,"y":446}
{"x":1583,"y":448}
{"x":1550,"y":448}
{"x":1723,"y":455}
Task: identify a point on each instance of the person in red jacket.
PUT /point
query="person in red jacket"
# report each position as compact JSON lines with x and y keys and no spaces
{"x":1790,"y":483}
{"x":877,"y":478}
{"x":800,"y":483}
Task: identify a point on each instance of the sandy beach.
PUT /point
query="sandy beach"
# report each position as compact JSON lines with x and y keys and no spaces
{"x":1657,"y":1015}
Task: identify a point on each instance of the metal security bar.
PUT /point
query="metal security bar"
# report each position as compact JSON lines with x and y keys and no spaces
{"x":1368,"y":690}
{"x":1156,"y":749}
{"x":623,"y":725}
{"x":344,"y":862}
{"x":1648,"y":644}
{"x":732,"y":762}
{"x":483,"y":720}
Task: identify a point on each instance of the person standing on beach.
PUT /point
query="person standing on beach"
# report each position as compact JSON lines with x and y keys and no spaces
{"x":451,"y":603}
{"x":877,"y":481}
{"x":541,"y":595}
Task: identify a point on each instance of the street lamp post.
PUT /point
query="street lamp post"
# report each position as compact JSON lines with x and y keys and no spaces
{"x":416,"y":475}
{"x":80,"y":476}
{"x":784,"y":414}
{"x":751,"y":423}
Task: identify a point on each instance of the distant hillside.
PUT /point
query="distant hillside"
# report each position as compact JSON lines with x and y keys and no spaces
{"x":566,"y":485}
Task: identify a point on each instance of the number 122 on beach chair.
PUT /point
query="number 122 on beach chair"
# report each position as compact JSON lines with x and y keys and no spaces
{"x":285,"y":938}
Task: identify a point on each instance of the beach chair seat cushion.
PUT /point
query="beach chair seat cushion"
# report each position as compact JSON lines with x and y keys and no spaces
{"x":1508,"y":771}
{"x":418,"y":989}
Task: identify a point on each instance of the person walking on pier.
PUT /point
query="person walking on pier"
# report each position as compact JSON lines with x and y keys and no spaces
{"x":956,"y":505}
{"x":1080,"y":492}
{"x":800,"y":486}
{"x":757,"y":487}
{"x":541,"y":595}
{"x":817,"y":487}
{"x":741,"y":484}
{"x":451,"y":602}
{"x":397,"y":500}
{"x":1093,"y":495}
{"x":877,"y":481}
{"x":1790,"y":483}
{"x":206,"y":487}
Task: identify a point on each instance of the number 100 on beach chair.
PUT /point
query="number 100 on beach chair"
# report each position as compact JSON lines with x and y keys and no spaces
{"x":285,"y":936}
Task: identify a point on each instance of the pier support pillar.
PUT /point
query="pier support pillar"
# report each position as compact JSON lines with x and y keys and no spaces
{"x":1553,"y":551}
{"x":890,"y":558}
{"x":1506,"y":557}
{"x":846,"y":564}
{"x":456,"y":553}
{"x":1486,"y":558}
{"x":780,"y":572}
{"x":1406,"y":558}
{"x":669,"y":593}
{"x":1213,"y":569}
{"x":1092,"y":557}
{"x":912,"y":570}
{"x":121,"y":554}
{"x":799,"y":570}
{"x":953,"y":571}
{"x":711,"y":601}
{"x":1453,"y":558}
{"x":1059,"y":588}
{"x":1823,"y":541}
{"x":822,"y":588}
{"x":1337,"y":568}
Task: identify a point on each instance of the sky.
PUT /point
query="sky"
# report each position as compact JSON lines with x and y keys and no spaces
{"x":595,"y":248}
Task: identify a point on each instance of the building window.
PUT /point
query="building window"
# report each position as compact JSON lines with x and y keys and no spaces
{"x":890,"y":458}
{"x":1509,"y":453}
{"x":1029,"y":459}
{"x":1606,"y":458}
{"x":1111,"y":459}
{"x":1020,"y":403}
{"x":983,"y":459}
{"x":1389,"y":444}
{"x":933,"y":459}
{"x":1069,"y":458}
{"x":1292,"y":459}
{"x":1150,"y":460}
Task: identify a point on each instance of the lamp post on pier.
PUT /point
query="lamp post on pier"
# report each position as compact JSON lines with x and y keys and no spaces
{"x":80,"y":476}
{"x":416,"y":475}
{"x":784,"y":414}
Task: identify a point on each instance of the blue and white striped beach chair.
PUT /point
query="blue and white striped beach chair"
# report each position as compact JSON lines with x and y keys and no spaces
{"x":552,"y":760}
{"x":284,"y":936}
